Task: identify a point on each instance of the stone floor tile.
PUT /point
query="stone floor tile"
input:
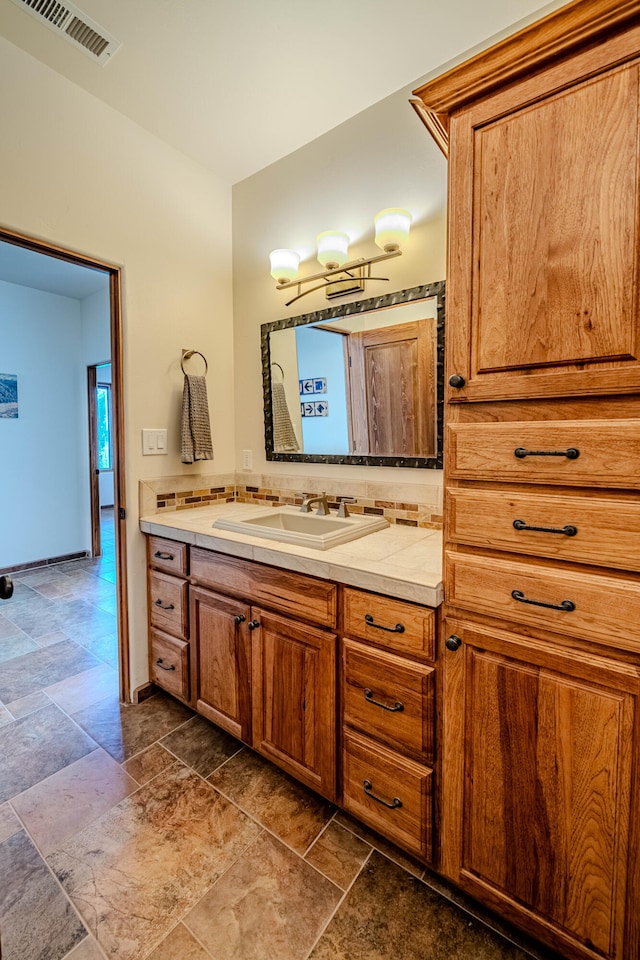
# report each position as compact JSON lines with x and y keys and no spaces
{"x":385,"y":846}
{"x":5,"y":716}
{"x":285,"y":807}
{"x":134,"y":872}
{"x":21,"y":592}
{"x":16,"y":645}
{"x":104,"y":647}
{"x":148,"y":763}
{"x":41,"y":668}
{"x":31,"y":703}
{"x":35,"y":617}
{"x":36,"y":918}
{"x":270,"y":904}
{"x":84,"y":689}
{"x":126,"y":729}
{"x":201,"y":745}
{"x":87,"y":950}
{"x":50,"y":638}
{"x":9,"y":823}
{"x":36,"y":746}
{"x":179,"y":945}
{"x":377,"y":920}
{"x":64,"y":803}
{"x":338,"y":854}
{"x":8,"y":629}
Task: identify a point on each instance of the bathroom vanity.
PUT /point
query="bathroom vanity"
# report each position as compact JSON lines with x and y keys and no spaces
{"x":322,"y":662}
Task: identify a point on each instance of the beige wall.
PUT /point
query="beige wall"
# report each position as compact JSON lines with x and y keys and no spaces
{"x":383,"y":157}
{"x":76,"y":173}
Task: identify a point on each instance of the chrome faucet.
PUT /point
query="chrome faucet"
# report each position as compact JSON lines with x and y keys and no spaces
{"x":323,"y":505}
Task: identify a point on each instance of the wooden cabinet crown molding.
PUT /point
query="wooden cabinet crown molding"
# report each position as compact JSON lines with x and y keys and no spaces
{"x":576,"y":25}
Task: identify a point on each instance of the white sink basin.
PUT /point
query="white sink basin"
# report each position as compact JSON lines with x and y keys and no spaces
{"x":289,"y":525}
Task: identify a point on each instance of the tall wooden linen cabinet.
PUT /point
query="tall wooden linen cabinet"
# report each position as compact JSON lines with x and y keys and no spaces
{"x":540,"y":656}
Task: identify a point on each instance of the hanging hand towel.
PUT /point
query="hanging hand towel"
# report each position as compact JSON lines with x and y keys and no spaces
{"x":196,"y":430}
{"x":284,"y":438}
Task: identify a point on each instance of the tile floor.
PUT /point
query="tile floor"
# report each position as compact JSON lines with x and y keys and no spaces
{"x":133,"y":832}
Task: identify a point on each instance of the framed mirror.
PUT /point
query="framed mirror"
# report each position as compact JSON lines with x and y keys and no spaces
{"x":361,"y":383}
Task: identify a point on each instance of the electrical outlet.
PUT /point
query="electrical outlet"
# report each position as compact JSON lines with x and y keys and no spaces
{"x":247,"y":459}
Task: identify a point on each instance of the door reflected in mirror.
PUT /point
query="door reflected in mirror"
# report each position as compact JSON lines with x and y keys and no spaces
{"x":361,"y":383}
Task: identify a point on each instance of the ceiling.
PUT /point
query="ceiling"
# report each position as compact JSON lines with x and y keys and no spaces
{"x":237,"y":85}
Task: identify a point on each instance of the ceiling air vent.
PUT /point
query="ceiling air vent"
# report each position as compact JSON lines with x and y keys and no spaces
{"x":74,"y":26}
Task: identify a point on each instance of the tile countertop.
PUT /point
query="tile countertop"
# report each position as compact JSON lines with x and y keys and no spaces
{"x":402,"y":562}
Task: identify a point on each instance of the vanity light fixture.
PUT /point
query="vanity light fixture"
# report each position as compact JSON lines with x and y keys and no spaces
{"x":341,"y":276}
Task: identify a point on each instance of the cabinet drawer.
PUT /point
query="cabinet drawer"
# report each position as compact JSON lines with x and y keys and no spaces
{"x":608,"y":452}
{"x":168,"y":555}
{"x":605,"y":608}
{"x":389,"y":698}
{"x":607,"y":531}
{"x":168,"y":604}
{"x":170,"y":663}
{"x":390,"y":793}
{"x":403,"y":627}
{"x":305,"y":597}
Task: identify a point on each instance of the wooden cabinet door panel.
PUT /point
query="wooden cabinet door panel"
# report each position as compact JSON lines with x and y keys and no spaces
{"x":389,"y":698}
{"x":401,"y":626}
{"x":548,"y":305}
{"x":168,"y":555}
{"x":608,"y":452}
{"x":168,"y":603}
{"x":543,"y":812}
{"x":221,"y":638}
{"x":601,"y":530}
{"x":391,"y":793}
{"x":605,"y":608}
{"x":294,"y":703}
{"x":170,"y":664}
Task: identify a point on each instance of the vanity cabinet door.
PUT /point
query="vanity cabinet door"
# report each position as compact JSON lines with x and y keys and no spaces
{"x":538,"y":785}
{"x":544,"y":228}
{"x":294,"y":703}
{"x":219,"y":632}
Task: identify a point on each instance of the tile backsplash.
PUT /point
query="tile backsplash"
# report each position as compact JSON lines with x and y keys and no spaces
{"x":408,"y":504}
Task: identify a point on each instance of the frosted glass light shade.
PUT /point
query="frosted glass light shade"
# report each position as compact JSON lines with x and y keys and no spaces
{"x":284,"y":265}
{"x":333,"y":248}
{"x":392,"y":228}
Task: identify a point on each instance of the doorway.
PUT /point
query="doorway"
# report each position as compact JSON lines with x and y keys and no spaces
{"x":56,"y":261}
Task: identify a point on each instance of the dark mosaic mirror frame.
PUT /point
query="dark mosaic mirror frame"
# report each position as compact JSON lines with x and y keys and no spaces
{"x":436,"y":290}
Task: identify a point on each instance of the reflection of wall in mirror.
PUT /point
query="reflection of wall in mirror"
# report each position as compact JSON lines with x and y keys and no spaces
{"x":283,"y":353}
{"x":321,"y":354}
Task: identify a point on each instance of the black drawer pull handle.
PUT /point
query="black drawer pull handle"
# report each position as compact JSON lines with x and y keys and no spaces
{"x":160,"y":664}
{"x":239,"y":619}
{"x":571,"y":453}
{"x":567,"y":605}
{"x":368,"y":789}
{"x":569,"y":530}
{"x":165,"y":606}
{"x":398,"y":707}
{"x":397,"y":629}
{"x":253,"y":624}
{"x":163,"y":556}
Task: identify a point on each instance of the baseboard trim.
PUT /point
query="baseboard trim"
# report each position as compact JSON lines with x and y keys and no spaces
{"x":143,"y":692}
{"x":38,"y":564}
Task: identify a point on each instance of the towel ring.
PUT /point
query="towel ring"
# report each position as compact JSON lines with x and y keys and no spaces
{"x":274,"y":364}
{"x":187,"y":354}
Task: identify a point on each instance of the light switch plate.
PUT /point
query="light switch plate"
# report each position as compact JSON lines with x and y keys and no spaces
{"x":154,"y":442}
{"x":247,"y":459}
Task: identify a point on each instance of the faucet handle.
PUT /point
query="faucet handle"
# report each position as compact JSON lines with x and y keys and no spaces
{"x":342,"y":509}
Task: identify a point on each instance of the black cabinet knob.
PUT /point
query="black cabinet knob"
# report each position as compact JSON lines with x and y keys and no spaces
{"x":456,"y":381}
{"x":453,"y":642}
{"x":253,"y":624}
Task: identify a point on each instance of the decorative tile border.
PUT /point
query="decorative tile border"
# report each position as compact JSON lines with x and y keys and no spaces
{"x":410,"y":505}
